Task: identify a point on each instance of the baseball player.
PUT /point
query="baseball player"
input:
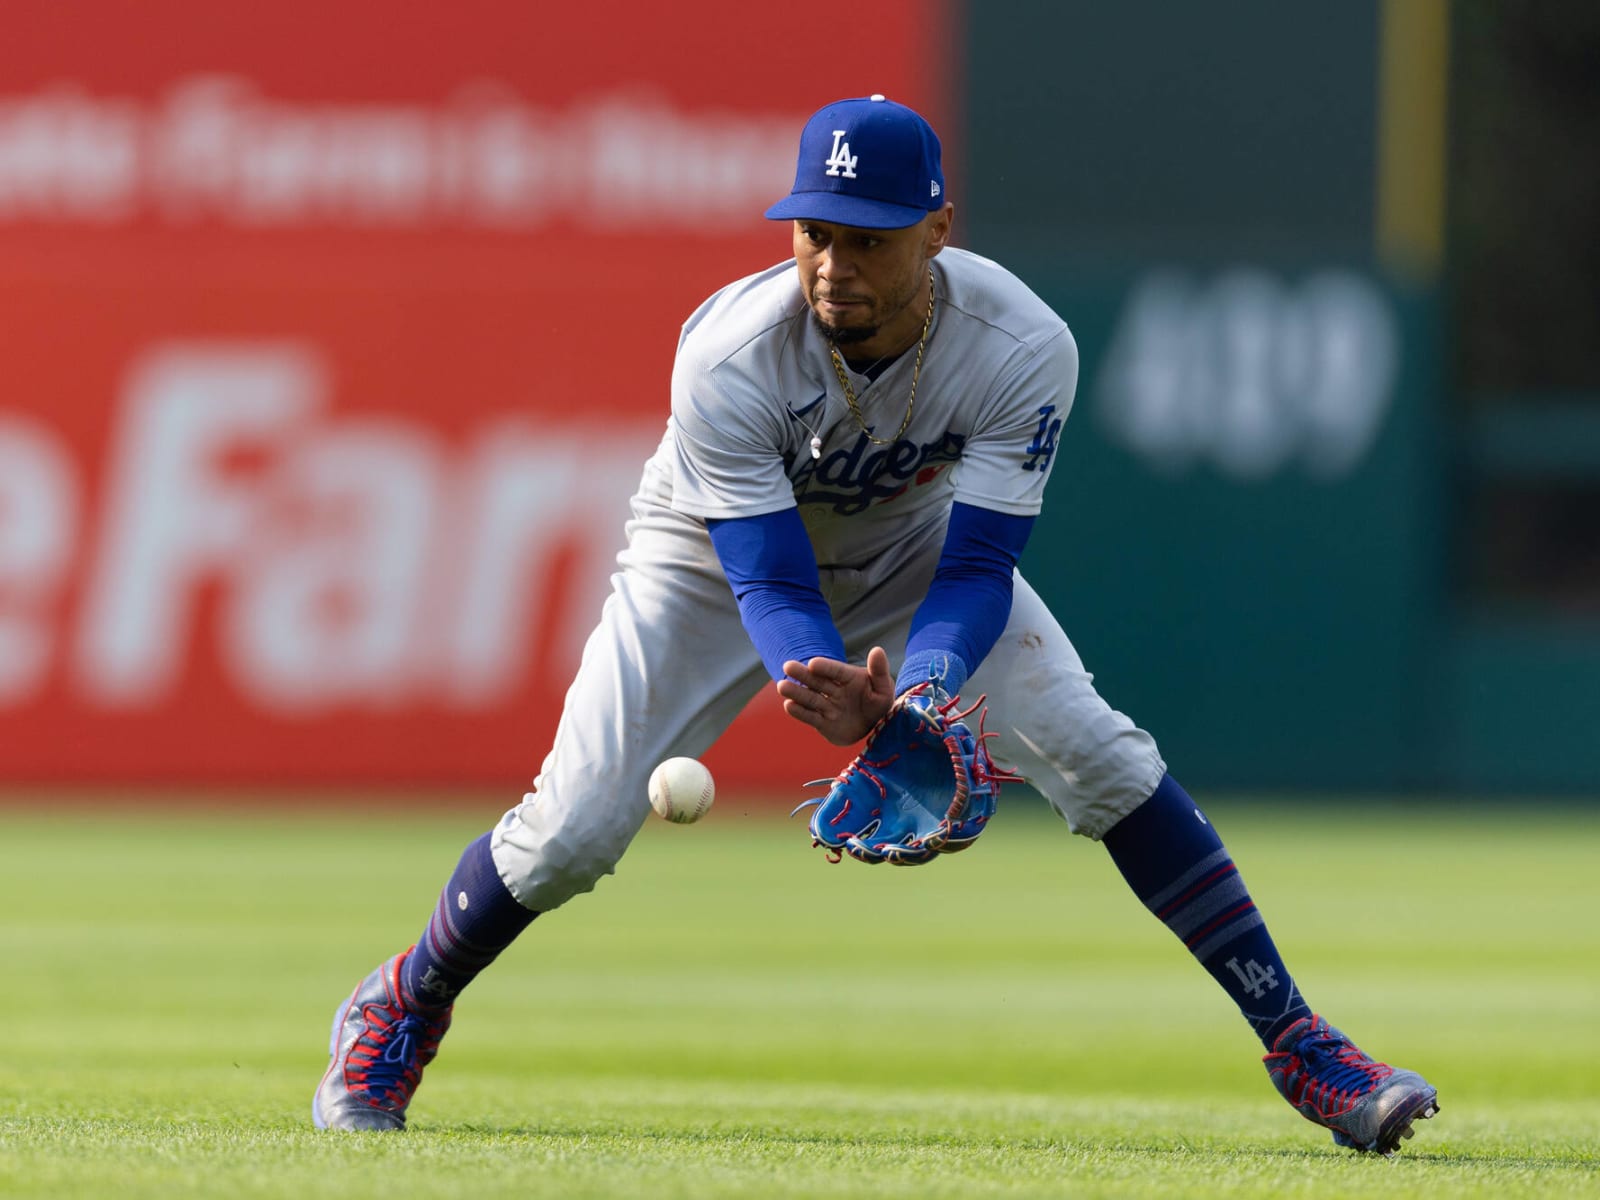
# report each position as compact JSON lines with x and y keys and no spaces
{"x":858,"y":447}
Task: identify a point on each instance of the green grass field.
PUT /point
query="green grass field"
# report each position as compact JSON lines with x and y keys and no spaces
{"x":731,"y":1016}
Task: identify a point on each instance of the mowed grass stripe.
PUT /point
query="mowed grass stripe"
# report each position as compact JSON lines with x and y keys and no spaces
{"x":730,"y":1016}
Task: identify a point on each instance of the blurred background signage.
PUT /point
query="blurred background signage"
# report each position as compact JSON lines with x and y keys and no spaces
{"x":332,"y":340}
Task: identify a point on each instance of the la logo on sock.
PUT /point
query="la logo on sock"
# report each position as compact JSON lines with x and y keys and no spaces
{"x":1253,"y":977}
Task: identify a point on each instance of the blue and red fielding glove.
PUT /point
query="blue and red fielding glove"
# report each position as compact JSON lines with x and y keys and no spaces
{"x":922,"y":786}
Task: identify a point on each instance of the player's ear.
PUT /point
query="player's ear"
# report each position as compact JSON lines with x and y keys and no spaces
{"x":938,"y":229}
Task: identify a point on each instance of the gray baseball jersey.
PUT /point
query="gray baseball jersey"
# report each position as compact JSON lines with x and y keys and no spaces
{"x":753,"y":383}
{"x":670,"y":665}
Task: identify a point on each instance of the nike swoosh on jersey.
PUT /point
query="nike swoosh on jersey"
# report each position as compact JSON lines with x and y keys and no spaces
{"x":797,"y":413}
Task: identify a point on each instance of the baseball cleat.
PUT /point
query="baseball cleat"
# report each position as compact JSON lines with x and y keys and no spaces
{"x":1368,"y":1105}
{"x":378,"y":1050}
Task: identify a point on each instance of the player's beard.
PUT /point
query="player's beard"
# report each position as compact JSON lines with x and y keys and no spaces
{"x":845,"y":335}
{"x":852,"y":335}
{"x":848,"y":335}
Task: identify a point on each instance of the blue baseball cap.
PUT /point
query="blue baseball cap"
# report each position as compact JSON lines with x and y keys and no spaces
{"x":869,"y":162}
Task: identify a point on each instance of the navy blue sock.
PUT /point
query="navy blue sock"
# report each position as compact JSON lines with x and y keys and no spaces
{"x":475,"y":919}
{"x":1174,"y":861}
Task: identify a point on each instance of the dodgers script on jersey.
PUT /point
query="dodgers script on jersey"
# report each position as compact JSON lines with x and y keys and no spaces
{"x":754,"y":384}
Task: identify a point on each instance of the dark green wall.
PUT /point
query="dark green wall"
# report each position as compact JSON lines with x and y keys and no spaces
{"x":1146,"y":127}
{"x":1258,"y":588}
{"x":1283,"y":602}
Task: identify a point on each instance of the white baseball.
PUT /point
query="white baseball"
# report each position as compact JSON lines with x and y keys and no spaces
{"x":681,"y":790}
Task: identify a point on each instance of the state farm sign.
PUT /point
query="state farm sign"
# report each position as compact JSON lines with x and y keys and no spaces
{"x":331,"y":346}
{"x":325,"y":562}
{"x":357,"y":561}
{"x":215,"y":147}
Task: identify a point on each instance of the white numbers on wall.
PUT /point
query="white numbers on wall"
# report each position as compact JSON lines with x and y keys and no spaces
{"x":1250,"y":374}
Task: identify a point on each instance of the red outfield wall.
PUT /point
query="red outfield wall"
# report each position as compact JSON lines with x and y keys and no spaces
{"x":332,"y":339}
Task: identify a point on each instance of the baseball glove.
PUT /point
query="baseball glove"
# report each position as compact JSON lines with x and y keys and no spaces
{"x":922,"y":786}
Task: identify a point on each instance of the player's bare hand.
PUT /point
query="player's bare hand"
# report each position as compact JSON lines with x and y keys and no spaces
{"x":839,"y":701}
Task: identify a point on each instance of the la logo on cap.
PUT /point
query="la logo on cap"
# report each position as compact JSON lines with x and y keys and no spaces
{"x":841,"y":162}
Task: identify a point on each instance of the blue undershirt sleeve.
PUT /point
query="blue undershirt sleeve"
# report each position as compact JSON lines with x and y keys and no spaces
{"x":773,"y":573}
{"x":969,"y":600}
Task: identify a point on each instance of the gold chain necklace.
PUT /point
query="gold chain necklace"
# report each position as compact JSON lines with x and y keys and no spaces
{"x":916,"y":372}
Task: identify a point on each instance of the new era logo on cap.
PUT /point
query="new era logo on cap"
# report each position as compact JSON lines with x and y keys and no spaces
{"x":867,"y":162}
